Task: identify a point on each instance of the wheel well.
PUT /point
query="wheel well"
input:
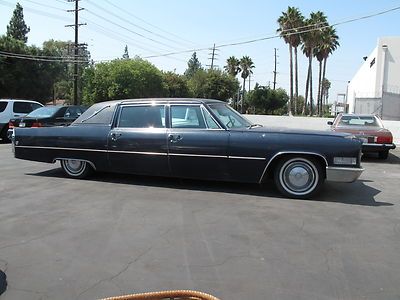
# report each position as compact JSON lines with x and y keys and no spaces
{"x":269,"y":171}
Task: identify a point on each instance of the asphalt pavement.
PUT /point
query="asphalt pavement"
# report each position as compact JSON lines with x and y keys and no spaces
{"x":116,"y":234}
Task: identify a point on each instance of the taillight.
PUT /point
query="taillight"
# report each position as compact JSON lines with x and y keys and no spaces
{"x":384,"y":139}
{"x":36,"y":124}
{"x":10,"y":125}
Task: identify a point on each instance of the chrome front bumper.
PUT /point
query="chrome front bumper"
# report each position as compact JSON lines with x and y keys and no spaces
{"x":340,"y":174}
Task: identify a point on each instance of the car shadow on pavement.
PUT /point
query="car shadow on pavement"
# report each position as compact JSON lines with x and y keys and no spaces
{"x":357,"y":193}
{"x":393,"y":158}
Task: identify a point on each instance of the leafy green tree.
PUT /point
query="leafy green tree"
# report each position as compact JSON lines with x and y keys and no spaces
{"x":122,"y":79}
{"x":17,"y":28}
{"x":213,"y":84}
{"x":264,"y":100}
{"x":176,"y":86}
{"x":194,"y":65}
{"x":126,"y":53}
{"x":246,"y":65}
{"x":290,"y":23}
{"x":232,"y":66}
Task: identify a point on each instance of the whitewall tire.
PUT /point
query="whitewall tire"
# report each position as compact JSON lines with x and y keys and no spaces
{"x":75,"y":168}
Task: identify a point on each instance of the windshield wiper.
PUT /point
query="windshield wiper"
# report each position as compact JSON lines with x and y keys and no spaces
{"x":95,"y":113}
{"x":254,"y":126}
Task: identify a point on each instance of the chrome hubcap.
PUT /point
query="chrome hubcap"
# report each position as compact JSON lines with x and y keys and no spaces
{"x":298,"y":176}
{"x":74,"y":165}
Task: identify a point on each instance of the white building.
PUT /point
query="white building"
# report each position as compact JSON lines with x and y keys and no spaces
{"x":376,"y":86}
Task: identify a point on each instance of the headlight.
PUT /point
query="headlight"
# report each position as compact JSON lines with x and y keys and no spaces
{"x":345,"y":160}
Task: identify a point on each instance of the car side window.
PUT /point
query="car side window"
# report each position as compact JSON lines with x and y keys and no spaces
{"x":142,"y":117}
{"x":72,"y":113}
{"x":187,"y":116}
{"x":210,"y":122}
{"x":24,"y":107}
{"x":3,"y":106}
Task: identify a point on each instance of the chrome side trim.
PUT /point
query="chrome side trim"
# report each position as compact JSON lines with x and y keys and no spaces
{"x":289,"y":152}
{"x":339,"y":174}
{"x":145,"y":153}
{"x":61,"y":148}
{"x":138,"y":152}
{"x":247,"y":157}
{"x":64,"y":158}
{"x":198,"y":155}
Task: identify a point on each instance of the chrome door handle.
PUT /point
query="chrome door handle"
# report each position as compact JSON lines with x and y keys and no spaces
{"x":115,"y":136}
{"x":174,"y":139}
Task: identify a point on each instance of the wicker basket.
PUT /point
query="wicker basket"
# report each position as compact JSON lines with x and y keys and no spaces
{"x":168,"y":295}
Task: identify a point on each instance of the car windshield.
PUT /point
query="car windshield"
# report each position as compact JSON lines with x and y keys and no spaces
{"x":229,"y":117}
{"x":43,"y":112}
{"x":370,"y":121}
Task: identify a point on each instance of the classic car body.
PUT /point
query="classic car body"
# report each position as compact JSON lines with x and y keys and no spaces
{"x":192,"y":138}
{"x":369,"y":129}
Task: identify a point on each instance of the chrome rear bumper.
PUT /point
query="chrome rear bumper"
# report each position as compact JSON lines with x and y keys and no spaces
{"x":340,"y":174}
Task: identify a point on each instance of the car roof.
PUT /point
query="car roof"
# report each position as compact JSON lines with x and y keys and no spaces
{"x":164,"y":100}
{"x":14,"y":100}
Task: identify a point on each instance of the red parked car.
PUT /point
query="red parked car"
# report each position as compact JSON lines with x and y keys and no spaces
{"x":369,"y":129}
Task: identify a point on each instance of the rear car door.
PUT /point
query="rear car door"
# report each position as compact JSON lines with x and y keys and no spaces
{"x":137,"y":142}
{"x":197,"y":145}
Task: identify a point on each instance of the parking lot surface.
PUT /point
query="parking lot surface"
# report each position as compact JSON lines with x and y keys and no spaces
{"x":116,"y":234}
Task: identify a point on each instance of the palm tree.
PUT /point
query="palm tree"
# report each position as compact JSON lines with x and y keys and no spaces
{"x":246,"y":65}
{"x":232,"y":66}
{"x":329,"y":43}
{"x":311,"y":40}
{"x":289,"y":24}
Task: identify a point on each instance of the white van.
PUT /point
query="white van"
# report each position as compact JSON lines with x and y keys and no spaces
{"x":14,"y":108}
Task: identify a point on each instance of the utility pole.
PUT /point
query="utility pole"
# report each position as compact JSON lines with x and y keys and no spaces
{"x":76,"y":46}
{"x":213,"y":57}
{"x":274,"y":68}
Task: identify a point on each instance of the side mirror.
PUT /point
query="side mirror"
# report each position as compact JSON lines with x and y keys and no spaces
{"x":330,"y":123}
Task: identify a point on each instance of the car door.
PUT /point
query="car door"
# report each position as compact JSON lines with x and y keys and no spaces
{"x":197,"y":145}
{"x":137,"y":142}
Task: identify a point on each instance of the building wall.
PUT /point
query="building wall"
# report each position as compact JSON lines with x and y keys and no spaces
{"x":379,"y":73}
{"x":363,"y":83}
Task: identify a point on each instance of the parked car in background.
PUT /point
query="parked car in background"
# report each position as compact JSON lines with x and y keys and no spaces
{"x":369,"y":129}
{"x":192,"y":138}
{"x":11,"y":108}
{"x":47,"y":116}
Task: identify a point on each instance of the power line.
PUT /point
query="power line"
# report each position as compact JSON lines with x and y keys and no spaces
{"x":26,"y":57}
{"x":144,"y":21}
{"x":127,"y":29}
{"x":131,"y":23}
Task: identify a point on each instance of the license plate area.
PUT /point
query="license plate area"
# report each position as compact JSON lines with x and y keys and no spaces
{"x":22,"y":124}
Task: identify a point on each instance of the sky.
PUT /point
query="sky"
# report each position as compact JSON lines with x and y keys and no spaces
{"x":159,"y":27}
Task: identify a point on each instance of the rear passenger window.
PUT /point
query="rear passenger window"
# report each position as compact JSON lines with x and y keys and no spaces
{"x":142,"y":117}
{"x":24,"y":107}
{"x":3,"y":106}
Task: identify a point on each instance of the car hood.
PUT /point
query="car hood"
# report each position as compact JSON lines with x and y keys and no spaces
{"x":299,"y":131}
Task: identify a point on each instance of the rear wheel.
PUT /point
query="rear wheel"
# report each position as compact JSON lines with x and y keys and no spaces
{"x":383,"y":154}
{"x":76,"y":168}
{"x":298,"y":177}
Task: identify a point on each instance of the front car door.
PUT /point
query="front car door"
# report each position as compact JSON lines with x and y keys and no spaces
{"x":197,"y":144}
{"x":137,"y":142}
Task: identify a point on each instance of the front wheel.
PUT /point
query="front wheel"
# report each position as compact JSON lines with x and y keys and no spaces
{"x":76,"y":168}
{"x":298,"y":177}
